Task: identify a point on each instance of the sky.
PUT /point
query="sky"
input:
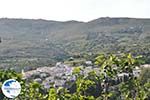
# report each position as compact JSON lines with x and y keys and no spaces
{"x":81,"y":10}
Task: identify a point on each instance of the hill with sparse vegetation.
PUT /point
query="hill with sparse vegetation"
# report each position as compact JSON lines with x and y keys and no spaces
{"x":30,"y":42}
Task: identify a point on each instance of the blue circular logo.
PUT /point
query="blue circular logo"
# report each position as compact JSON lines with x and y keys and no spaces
{"x":11,"y":88}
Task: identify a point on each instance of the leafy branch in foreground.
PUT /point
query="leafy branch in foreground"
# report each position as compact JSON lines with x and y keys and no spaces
{"x":114,"y":79}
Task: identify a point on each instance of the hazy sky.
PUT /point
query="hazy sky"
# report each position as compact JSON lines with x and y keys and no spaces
{"x":82,"y":10}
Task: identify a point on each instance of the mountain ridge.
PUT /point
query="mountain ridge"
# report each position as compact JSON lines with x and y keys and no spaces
{"x":138,"y":18}
{"x":53,"y":40}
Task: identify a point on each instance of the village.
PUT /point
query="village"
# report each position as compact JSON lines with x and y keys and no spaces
{"x":59,"y":74}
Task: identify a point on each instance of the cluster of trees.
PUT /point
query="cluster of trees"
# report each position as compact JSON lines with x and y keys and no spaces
{"x":93,"y":86}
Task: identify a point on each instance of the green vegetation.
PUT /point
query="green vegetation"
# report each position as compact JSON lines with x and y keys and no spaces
{"x":101,"y":85}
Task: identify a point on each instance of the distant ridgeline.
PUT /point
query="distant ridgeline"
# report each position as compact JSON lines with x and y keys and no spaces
{"x":29,"y":42}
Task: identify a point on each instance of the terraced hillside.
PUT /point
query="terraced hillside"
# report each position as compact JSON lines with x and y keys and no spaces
{"x":29,"y":42}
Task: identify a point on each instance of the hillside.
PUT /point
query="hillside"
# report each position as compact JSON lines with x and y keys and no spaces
{"x":29,"y":42}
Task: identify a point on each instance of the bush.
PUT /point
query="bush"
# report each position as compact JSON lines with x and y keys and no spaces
{"x":105,"y":85}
